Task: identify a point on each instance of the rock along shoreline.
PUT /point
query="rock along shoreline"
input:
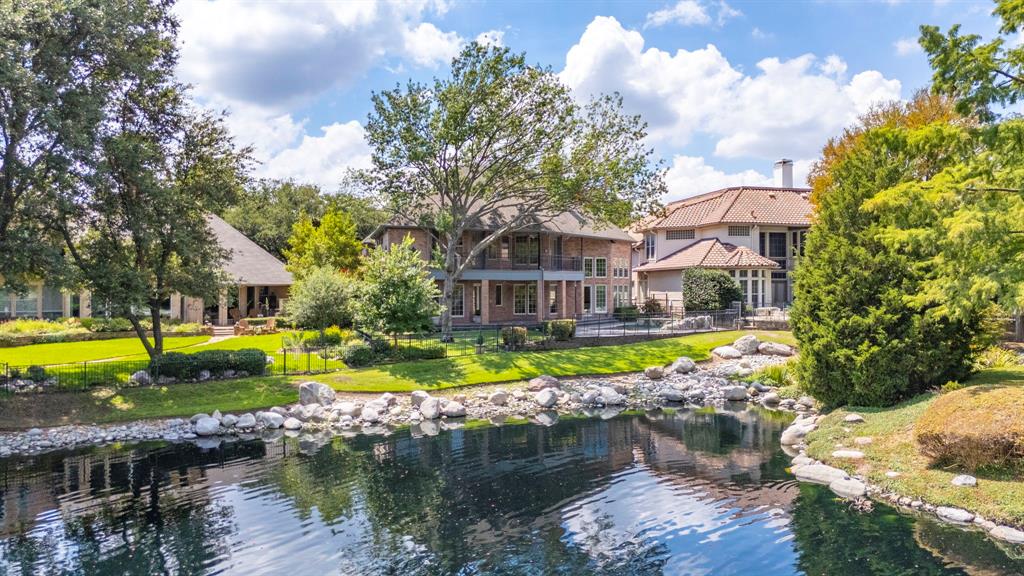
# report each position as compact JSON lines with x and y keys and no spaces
{"x":857,"y":487}
{"x":542,"y":400}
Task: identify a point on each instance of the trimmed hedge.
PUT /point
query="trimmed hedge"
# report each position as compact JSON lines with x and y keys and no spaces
{"x":513,"y":337}
{"x":974,"y":427}
{"x":561,"y":330}
{"x":252,"y":361}
{"x":357,"y":356}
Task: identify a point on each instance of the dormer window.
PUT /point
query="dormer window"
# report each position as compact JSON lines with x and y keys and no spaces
{"x":680,"y":234}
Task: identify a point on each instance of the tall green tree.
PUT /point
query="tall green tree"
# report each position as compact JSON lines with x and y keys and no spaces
{"x":328,"y":242}
{"x":320,"y":300}
{"x":710,"y":289}
{"x":869,"y":333}
{"x":135,"y":229}
{"x":395,"y":292}
{"x":503,"y":145}
{"x":59,"y":61}
{"x":268,"y":211}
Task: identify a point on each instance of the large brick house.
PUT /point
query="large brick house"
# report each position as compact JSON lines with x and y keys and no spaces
{"x":755,"y":233}
{"x":560,"y":268}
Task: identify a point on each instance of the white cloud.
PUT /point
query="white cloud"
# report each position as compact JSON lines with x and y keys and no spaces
{"x":278,"y":54}
{"x":907,"y":46}
{"x":691,"y":175}
{"x":322,"y":159}
{"x":785,"y":108}
{"x":685,"y":13}
{"x":429,"y":46}
{"x":692,"y":13}
{"x":491,"y":38}
{"x":758,"y":34}
{"x":833,"y":66}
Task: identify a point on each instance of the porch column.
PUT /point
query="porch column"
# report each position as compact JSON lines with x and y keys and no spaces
{"x":579,"y":297}
{"x":243,"y":301}
{"x":542,"y":301}
{"x":176,"y":306}
{"x":222,"y":309}
{"x":65,"y":304}
{"x":485,"y":301}
{"x":564,"y":304}
{"x":85,"y":305}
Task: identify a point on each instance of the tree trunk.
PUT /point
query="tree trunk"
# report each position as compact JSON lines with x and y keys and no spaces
{"x":158,"y":329}
{"x":446,"y":313}
{"x":141,"y":333}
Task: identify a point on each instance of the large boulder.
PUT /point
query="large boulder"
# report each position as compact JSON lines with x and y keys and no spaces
{"x":771,"y":399}
{"x":795,"y":433}
{"x":498,"y":398}
{"x":348,"y":409}
{"x":430,"y":408}
{"x":654,"y":372}
{"x":417,"y":397}
{"x":735,"y":393}
{"x":747,"y":344}
{"x":454,"y":410}
{"x":683,"y":365}
{"x":672,"y":394}
{"x":774,"y":349}
{"x":954,"y":515}
{"x":246,"y":421}
{"x":292,"y":424}
{"x":543,"y":381}
{"x":316,"y":393}
{"x":141,"y":378}
{"x":611,"y":397}
{"x":819,"y":473}
{"x":207,"y":426}
{"x":271,"y":420}
{"x":370,"y":414}
{"x":848,"y":487}
{"x":546,"y":398}
{"x":727,"y":353}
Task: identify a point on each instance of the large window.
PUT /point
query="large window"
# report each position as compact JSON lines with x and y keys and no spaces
{"x":527,"y":249}
{"x":601,"y":267}
{"x":649,"y":245}
{"x":458,"y":301}
{"x":620,"y":296}
{"x":524,"y":298}
{"x":25,"y":304}
{"x":588,"y":267}
{"x":552,"y":299}
{"x":739,"y":230}
{"x":497,"y":295}
{"x":620,"y":268}
{"x":680,"y":234}
{"x":600,"y":298}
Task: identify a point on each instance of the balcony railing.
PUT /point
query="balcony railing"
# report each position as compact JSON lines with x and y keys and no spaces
{"x":532,"y":262}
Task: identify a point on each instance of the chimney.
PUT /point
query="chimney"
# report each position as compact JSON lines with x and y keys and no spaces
{"x":784,"y":173}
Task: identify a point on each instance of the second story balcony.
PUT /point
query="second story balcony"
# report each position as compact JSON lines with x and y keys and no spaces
{"x":528,"y":262}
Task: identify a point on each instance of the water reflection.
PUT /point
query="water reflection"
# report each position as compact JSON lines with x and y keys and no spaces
{"x":693,"y":492}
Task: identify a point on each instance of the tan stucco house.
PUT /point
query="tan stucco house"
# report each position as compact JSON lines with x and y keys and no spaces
{"x":756,"y":233}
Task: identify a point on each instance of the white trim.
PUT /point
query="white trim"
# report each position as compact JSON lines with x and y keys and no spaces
{"x":603,"y":310}
{"x":458,"y":286}
{"x":605,"y":260}
{"x":525,"y":286}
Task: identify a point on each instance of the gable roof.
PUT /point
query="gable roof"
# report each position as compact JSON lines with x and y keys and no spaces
{"x":737,"y":205}
{"x":709,"y":253}
{"x":247,"y":262}
{"x":567,"y":223}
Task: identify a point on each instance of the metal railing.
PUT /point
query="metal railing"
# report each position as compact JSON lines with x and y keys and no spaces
{"x":528,"y":262}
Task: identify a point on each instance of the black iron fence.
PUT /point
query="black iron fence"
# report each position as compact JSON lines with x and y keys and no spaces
{"x":80,"y":376}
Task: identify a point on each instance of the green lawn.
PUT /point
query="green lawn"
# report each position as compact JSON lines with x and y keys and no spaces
{"x":999,"y":495}
{"x":62,"y":352}
{"x":515,"y":366}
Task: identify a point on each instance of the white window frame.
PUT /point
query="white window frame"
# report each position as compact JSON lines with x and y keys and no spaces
{"x":650,"y":245}
{"x":603,"y":261}
{"x":529,"y":303}
{"x":459,"y":297}
{"x":588,"y":267}
{"x":682,"y":234}
{"x":598,"y":289}
{"x":739,"y":230}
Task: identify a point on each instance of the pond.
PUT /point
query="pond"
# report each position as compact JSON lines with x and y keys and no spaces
{"x":670,"y":492}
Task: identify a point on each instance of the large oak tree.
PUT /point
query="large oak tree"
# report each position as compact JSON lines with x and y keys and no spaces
{"x":503,"y":145}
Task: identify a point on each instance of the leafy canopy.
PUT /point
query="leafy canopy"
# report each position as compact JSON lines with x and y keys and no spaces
{"x":330,"y":242}
{"x":395,"y":293}
{"x":320,"y":299}
{"x":268,"y":211}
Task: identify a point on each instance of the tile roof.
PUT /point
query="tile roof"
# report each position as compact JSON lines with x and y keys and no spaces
{"x":248,"y":263}
{"x":567,"y":223}
{"x":739,"y":205}
{"x":709,"y":253}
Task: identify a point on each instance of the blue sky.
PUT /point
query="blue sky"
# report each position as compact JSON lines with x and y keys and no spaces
{"x":727,"y":88}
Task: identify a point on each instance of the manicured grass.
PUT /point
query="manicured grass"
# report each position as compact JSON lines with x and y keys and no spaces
{"x":62,"y":352}
{"x":515,"y":366}
{"x":104,"y":405}
{"x":1000,"y":492}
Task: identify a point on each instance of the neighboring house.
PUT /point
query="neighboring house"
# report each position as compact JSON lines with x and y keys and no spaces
{"x":559,"y":268}
{"x":754,"y":233}
{"x":261,"y":280}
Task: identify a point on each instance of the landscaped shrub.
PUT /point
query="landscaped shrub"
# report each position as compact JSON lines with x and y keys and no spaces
{"x":562,"y":330}
{"x":188,"y":366}
{"x":357,"y":356}
{"x":652,"y":307}
{"x":513,"y":337}
{"x":36,"y":373}
{"x":173,"y":365}
{"x":974,"y":427}
{"x":249,"y":360}
{"x":626,"y":313}
{"x":426,"y":352}
{"x":710,"y":289}
{"x":380,"y":347}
